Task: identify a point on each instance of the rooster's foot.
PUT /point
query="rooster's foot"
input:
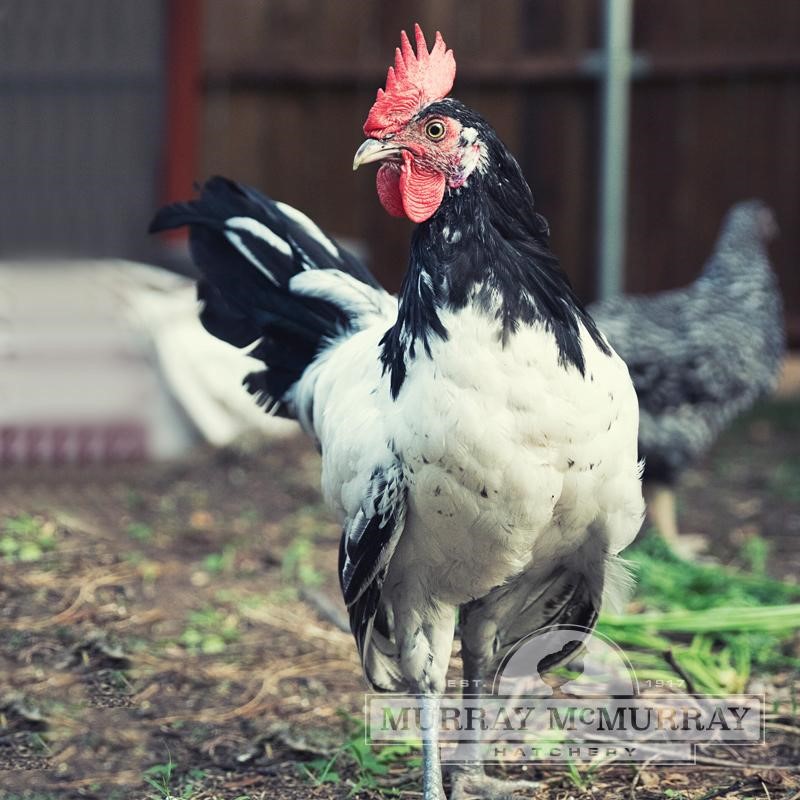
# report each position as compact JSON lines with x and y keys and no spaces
{"x":476,"y":785}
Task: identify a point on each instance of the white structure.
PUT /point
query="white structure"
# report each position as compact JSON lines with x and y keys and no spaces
{"x":108,"y":361}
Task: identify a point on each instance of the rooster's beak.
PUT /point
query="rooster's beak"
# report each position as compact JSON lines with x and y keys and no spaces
{"x":374,"y":150}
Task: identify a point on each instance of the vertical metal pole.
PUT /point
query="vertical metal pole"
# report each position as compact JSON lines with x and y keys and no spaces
{"x":616,"y":77}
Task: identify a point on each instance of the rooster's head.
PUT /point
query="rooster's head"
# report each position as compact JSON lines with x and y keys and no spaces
{"x":424,"y":144}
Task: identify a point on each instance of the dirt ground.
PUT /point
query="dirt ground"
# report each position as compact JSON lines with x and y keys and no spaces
{"x":153,"y":642}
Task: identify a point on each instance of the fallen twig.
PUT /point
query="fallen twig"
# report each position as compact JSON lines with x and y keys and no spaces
{"x":325,"y":607}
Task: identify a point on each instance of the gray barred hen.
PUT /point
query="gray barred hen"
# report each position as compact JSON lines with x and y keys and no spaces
{"x":700,"y":355}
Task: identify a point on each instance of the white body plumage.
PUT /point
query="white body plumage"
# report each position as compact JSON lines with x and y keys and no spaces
{"x":511,"y":458}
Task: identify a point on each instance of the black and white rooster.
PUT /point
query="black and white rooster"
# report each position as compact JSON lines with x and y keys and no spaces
{"x":478,"y":434}
{"x":700,"y":355}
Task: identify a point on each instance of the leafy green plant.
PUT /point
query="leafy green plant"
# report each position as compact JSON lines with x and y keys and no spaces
{"x":140,"y":531}
{"x":26,"y":538}
{"x":304,"y":527}
{"x":220,"y":562}
{"x":298,"y":565}
{"x":210,"y":631}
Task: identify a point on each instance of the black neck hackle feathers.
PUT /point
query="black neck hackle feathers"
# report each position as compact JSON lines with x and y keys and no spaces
{"x":485,"y":245}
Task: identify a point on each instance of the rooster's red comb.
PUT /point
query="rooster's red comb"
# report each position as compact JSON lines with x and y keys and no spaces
{"x":413,"y":82}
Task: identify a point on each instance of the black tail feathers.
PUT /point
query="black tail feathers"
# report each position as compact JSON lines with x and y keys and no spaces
{"x":247,"y":248}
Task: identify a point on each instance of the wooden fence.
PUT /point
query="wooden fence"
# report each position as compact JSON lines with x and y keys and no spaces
{"x":81,"y":96}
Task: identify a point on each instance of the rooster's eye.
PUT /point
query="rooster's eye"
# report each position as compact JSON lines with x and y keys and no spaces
{"x":435,"y":130}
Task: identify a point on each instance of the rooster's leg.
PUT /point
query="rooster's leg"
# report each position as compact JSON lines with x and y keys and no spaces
{"x":424,"y":634}
{"x":432,"y":788}
{"x":469,"y":778}
{"x":663,"y":513}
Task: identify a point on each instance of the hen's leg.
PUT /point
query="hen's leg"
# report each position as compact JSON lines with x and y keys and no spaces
{"x":662,"y":509}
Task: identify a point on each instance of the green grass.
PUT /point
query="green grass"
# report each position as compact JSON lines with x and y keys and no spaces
{"x":710,"y":625}
{"x":297,"y":565}
{"x":304,"y":527}
{"x":666,"y":582}
{"x":166,"y":784}
{"x":357,"y":755}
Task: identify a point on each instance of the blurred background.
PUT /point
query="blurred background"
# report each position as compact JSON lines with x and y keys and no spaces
{"x":650,"y":117}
